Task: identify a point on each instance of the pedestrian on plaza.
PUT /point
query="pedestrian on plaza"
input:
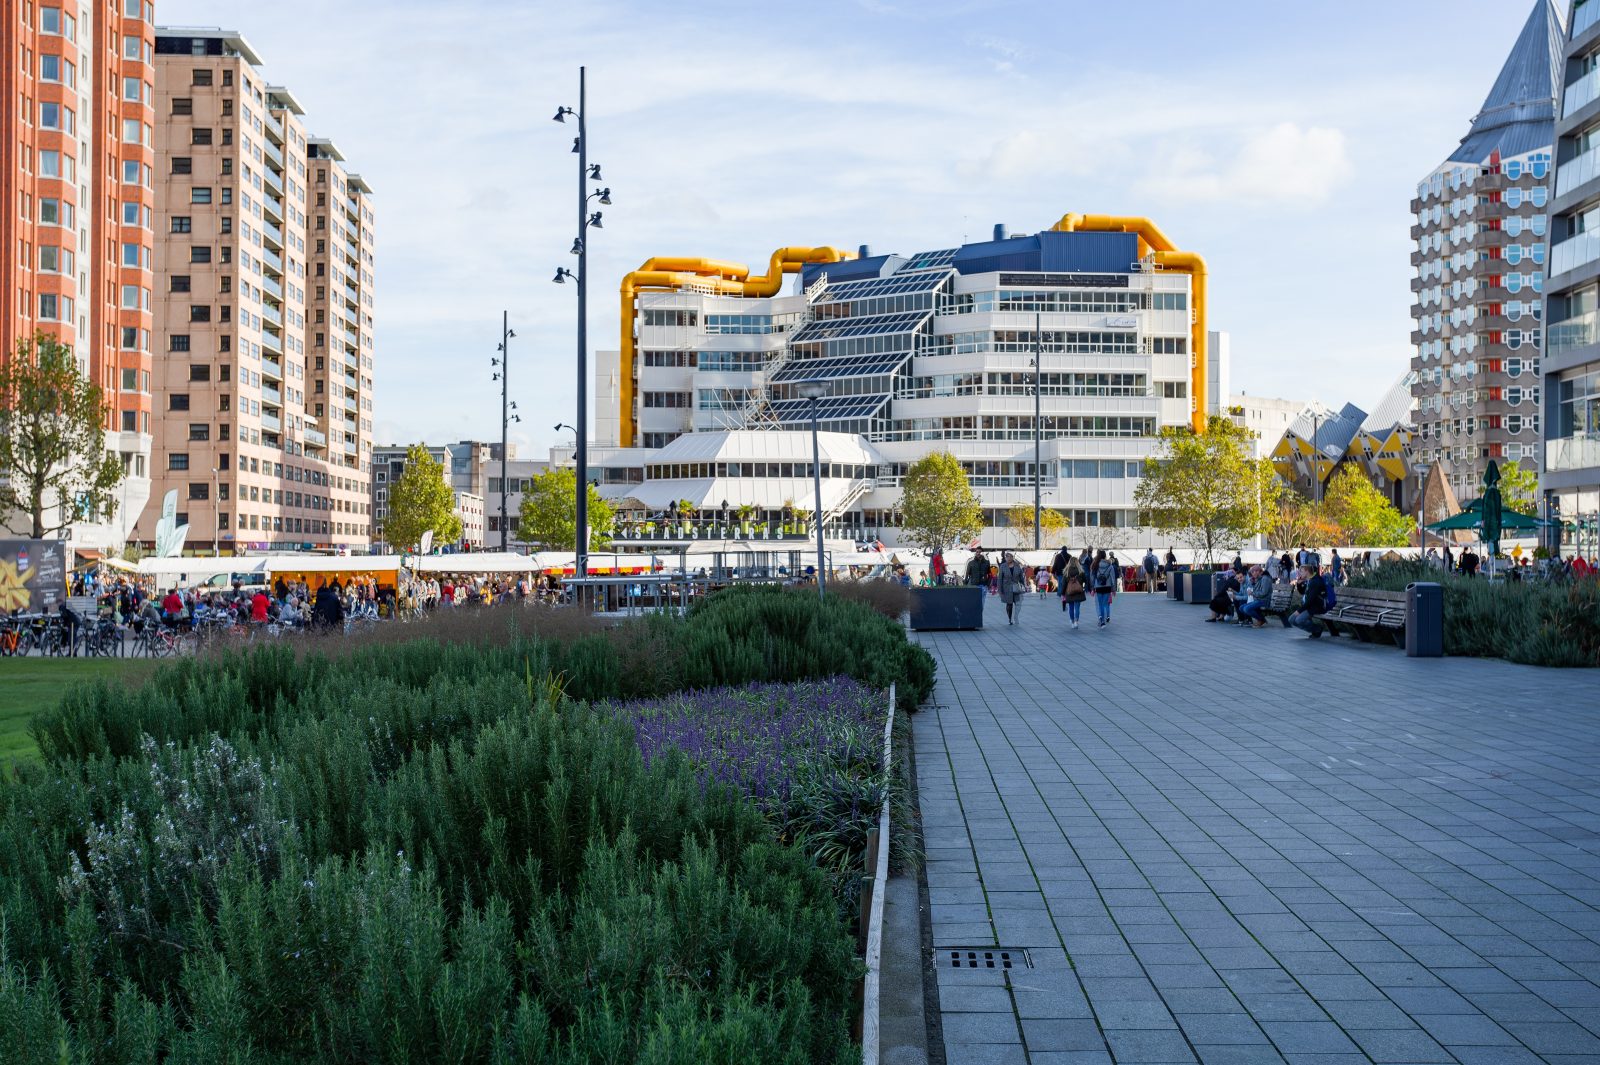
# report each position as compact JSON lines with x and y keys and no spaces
{"x":1104,"y":579}
{"x":1287,"y":565}
{"x":1172,"y":561}
{"x":1086,"y":560}
{"x":1469,"y":563}
{"x":1013,"y":585}
{"x":328,"y":610}
{"x":1238,"y":563}
{"x":1274,"y":568}
{"x":1222,"y":600}
{"x":978,"y":569}
{"x":936,"y":566}
{"x":1258,"y":596}
{"x":1150,"y":564}
{"x":1058,"y":566}
{"x":1336,"y":565}
{"x":1314,"y":593}
{"x":1073,"y":589}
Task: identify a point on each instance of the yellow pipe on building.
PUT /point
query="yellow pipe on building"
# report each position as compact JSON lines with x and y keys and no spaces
{"x":1153,"y":241}
{"x":723,"y":278}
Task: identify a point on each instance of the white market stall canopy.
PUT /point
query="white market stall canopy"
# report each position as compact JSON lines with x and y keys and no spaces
{"x":480,"y":562}
{"x":329,"y":563}
{"x":200,"y":569}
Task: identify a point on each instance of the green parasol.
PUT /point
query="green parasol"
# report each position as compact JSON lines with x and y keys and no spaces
{"x":1492,"y":517}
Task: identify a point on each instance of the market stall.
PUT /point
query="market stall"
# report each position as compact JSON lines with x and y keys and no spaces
{"x":380,"y":571}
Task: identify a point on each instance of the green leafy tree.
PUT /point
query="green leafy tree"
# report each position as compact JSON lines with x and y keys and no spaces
{"x":1207,"y":490}
{"x":420,"y":501}
{"x":938,"y":507}
{"x":1365,"y":514}
{"x":53,"y":439}
{"x":549,"y":515}
{"x":1519,"y":488}
{"x":1020,"y":521}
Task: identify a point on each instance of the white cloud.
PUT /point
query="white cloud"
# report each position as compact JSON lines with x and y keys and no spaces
{"x":1282,"y":164}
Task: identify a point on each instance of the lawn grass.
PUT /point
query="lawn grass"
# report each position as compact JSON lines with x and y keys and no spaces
{"x":28,"y":685}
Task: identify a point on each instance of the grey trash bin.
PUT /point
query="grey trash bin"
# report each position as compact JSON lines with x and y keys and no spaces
{"x":1424,"y":620}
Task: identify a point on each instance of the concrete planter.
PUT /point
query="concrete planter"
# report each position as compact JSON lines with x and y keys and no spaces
{"x":950,"y":607}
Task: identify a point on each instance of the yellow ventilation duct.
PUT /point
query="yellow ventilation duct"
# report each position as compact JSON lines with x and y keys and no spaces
{"x":1154,"y":242}
{"x":671,"y":274}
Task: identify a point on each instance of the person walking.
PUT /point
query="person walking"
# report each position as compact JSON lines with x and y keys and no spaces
{"x":978,"y":569}
{"x":1314,"y":603}
{"x":1336,"y":566}
{"x":1058,"y":570}
{"x":1013,"y":585}
{"x":1150,"y":564}
{"x":1104,"y":579}
{"x":1073,"y":591}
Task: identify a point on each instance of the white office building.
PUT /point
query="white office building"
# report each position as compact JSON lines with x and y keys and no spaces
{"x":922,"y":353}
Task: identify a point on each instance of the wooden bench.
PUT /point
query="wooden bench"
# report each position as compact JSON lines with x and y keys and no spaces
{"x":1367,"y":614}
{"x":1282,"y":604}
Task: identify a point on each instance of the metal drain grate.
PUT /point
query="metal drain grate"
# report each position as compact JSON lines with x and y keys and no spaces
{"x":981,"y":958}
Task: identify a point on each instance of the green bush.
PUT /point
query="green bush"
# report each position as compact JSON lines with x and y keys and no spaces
{"x":1538,"y":623}
{"x":419,"y":850}
{"x":453,"y":870}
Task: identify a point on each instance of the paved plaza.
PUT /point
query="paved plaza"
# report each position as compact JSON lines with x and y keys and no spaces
{"x":1208,"y":844}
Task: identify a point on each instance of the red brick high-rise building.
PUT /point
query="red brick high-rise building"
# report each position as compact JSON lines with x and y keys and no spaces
{"x":77,"y":145}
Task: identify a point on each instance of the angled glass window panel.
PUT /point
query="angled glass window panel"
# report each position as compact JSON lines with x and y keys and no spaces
{"x":897,"y":285}
{"x":869,"y":325}
{"x":831,"y":408}
{"x":851,"y":366}
{"x":929,"y":260}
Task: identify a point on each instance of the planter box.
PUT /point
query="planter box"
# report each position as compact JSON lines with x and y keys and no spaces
{"x":956,"y":607}
{"x":1200,"y":586}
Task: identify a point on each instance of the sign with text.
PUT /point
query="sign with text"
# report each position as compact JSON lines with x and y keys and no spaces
{"x":33,"y":575}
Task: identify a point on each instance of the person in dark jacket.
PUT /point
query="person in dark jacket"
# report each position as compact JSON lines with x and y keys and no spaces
{"x":978,"y":569}
{"x":1315,"y":602}
{"x":327,"y":611}
{"x":1222,"y":602}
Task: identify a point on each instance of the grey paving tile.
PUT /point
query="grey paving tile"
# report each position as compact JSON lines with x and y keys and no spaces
{"x":1364,"y":858}
{"x":998,"y":1027}
{"x":1042,"y":1034}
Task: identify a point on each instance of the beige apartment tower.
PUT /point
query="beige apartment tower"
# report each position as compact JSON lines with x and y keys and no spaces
{"x":263,"y":311}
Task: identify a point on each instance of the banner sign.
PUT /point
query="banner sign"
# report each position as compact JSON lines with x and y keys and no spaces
{"x":33,"y":575}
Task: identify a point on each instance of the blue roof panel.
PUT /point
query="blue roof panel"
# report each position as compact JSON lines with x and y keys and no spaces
{"x":1050,"y":252}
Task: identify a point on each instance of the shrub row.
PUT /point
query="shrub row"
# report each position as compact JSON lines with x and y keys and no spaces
{"x":1534,"y":622}
{"x":420,"y":851}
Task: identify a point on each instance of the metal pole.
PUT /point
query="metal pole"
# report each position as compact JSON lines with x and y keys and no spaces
{"x":816,"y":480}
{"x":1316,"y":465}
{"x":505,"y":383}
{"x":581,"y":567}
{"x":1038,"y":388}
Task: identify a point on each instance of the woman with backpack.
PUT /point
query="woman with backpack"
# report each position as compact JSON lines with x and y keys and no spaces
{"x":1104,"y":579}
{"x":1072,"y":589}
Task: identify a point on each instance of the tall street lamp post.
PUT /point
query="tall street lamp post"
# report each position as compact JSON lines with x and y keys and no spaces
{"x":587,"y":172}
{"x":813,"y":391}
{"x":503,"y":375}
{"x":1038,"y":383}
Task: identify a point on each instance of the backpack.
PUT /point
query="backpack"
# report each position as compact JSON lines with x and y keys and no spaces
{"x":1331,"y":599}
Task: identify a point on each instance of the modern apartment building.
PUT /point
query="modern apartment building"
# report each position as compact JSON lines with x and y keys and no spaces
{"x":263,"y":310}
{"x":934,"y":351}
{"x":1267,"y":417}
{"x":472,"y":469}
{"x":1481,"y":232}
{"x":76,"y":221}
{"x":1571,"y":477}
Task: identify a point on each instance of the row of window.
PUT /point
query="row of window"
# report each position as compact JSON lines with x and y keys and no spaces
{"x":675,"y":471}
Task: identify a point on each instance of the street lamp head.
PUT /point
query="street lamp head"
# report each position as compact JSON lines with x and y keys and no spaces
{"x":594,"y":220}
{"x":605,"y":197}
{"x":575,"y":142}
{"x":577,"y":246}
{"x":594,"y":172}
{"x":561,"y":275}
{"x":813,"y":390}
{"x":510,"y":335}
{"x":562,"y":113}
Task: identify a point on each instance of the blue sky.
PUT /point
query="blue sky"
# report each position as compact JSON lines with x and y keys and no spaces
{"x":1281,"y":141}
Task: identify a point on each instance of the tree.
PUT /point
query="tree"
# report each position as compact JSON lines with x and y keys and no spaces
{"x":1207,"y":490}
{"x":938,"y":507}
{"x":1365,"y":514}
{"x":1293,"y":521}
{"x":53,"y":439}
{"x":1020,"y":520}
{"x":421,"y":501}
{"x":549,"y":515}
{"x":1519,"y":488}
